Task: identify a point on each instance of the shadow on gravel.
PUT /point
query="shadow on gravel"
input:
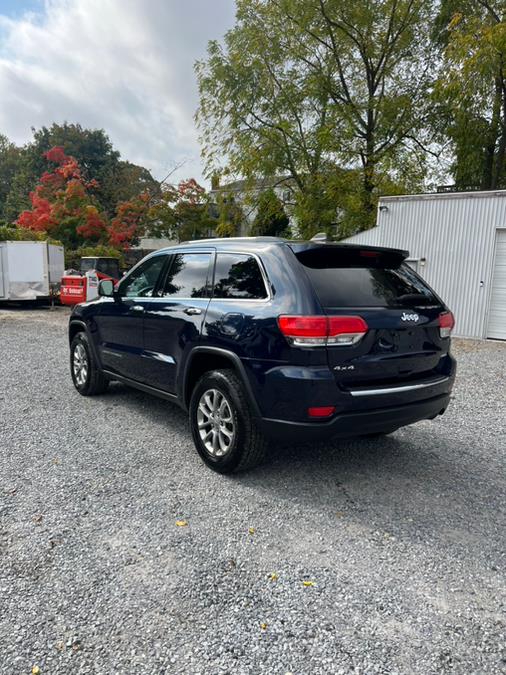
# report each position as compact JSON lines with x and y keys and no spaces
{"x":414,"y":479}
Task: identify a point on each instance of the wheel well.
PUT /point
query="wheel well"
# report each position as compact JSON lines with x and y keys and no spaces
{"x":74,"y":329}
{"x":202,"y":363}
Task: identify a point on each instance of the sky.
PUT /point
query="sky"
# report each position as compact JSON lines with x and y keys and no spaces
{"x":125,"y":66}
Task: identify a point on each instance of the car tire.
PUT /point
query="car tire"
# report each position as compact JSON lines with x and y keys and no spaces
{"x":88,"y":379}
{"x":224,"y":431}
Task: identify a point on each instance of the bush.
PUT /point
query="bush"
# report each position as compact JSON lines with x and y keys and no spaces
{"x":9,"y":233}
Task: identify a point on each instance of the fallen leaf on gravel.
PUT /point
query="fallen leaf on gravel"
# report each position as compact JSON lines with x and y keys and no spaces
{"x":181,"y":523}
{"x":35,"y":670}
{"x":263,"y":626}
{"x":273,"y":576}
{"x":339,"y":514}
{"x":251,"y":530}
{"x":37,"y":519}
{"x":308,"y":583}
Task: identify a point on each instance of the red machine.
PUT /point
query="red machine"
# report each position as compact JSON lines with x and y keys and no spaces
{"x":83,"y":285}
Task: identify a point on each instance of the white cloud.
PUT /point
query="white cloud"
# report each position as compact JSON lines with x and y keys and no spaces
{"x":122,"y":65}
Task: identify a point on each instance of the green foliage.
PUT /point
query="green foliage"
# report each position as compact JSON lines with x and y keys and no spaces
{"x":181,"y":213}
{"x":300,"y":88}
{"x":10,"y":164}
{"x":270,"y":219}
{"x":117,"y":180}
{"x":231,"y":216}
{"x":471,"y":90}
{"x":73,"y":258}
{"x":10,"y":233}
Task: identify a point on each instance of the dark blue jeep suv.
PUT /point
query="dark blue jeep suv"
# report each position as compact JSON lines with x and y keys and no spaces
{"x":262,"y":337}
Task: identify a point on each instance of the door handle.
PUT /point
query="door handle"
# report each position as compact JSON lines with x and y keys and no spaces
{"x":137,"y":308}
{"x":192,"y":310}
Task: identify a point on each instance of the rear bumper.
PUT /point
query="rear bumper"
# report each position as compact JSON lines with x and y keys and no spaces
{"x":357,"y":423}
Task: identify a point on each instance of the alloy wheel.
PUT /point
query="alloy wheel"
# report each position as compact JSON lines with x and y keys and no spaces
{"x":215,"y":422}
{"x":80,"y":364}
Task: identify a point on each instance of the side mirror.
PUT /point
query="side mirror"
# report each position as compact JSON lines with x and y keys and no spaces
{"x":106,"y":288}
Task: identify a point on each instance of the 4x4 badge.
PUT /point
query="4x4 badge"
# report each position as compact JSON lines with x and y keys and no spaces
{"x":409,"y":317}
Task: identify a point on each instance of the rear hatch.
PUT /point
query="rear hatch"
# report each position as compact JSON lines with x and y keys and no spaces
{"x":403,"y":341}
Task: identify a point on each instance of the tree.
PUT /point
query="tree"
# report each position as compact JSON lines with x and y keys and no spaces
{"x":310,"y":89}
{"x":116,"y":180}
{"x":471,"y":89}
{"x":181,"y":212}
{"x":130,"y":221}
{"x":10,"y":162}
{"x":61,"y":203}
{"x":270,"y":219}
{"x":63,"y":206}
{"x":230,"y":216}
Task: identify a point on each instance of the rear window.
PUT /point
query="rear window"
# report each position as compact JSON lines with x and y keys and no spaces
{"x":364,"y":279}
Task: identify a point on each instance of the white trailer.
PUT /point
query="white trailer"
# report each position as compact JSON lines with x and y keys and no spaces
{"x":29,"y":270}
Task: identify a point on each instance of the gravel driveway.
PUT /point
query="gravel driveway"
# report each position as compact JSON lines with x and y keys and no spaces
{"x":355,"y":557}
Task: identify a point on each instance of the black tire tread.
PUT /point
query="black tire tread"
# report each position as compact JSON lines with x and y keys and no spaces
{"x":97,"y":382}
{"x":255,"y":444}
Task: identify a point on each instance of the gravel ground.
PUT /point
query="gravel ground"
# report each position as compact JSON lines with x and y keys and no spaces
{"x":354,"y":557}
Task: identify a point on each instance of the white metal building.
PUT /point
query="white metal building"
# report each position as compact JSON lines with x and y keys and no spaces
{"x":457,"y":243}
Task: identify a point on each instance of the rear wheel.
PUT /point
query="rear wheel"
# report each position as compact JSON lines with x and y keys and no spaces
{"x":224,"y":432}
{"x":86,"y":376}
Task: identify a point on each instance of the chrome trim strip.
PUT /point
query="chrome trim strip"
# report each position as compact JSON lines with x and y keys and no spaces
{"x":397,"y":390}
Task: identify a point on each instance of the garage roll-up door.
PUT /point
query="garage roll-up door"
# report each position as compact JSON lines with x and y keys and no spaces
{"x":497,"y":313}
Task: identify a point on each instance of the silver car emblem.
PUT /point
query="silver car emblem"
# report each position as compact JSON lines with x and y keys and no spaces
{"x":409,"y":317}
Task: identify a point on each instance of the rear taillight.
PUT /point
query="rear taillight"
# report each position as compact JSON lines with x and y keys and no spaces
{"x":322,"y":411}
{"x":446,"y":324}
{"x":320,"y":331}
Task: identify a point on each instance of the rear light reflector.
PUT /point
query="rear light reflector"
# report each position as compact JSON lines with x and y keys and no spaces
{"x":320,"y":331}
{"x":446,"y":324}
{"x":322,"y":411}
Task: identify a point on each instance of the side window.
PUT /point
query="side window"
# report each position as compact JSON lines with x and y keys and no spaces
{"x":142,"y":281}
{"x":238,"y":276}
{"x":187,"y":276}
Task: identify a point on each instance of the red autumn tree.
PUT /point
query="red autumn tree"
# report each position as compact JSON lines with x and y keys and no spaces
{"x":63,"y":207}
{"x":129,"y":222}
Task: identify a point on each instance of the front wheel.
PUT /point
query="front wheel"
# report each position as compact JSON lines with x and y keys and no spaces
{"x":86,"y":376}
{"x":224,"y":432}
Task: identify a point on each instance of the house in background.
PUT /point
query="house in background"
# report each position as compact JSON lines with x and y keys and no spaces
{"x":245,"y":195}
{"x":457,"y":243}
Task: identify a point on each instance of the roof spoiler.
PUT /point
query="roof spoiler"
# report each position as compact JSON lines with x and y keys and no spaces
{"x":353,"y":255}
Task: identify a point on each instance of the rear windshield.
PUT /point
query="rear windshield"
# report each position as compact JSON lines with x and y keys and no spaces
{"x":351,"y":279}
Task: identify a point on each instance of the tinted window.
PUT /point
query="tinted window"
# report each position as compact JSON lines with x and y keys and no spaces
{"x":238,"y":276}
{"x":109,"y":267}
{"x":142,"y":280}
{"x":187,"y":276}
{"x":366,"y":282}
